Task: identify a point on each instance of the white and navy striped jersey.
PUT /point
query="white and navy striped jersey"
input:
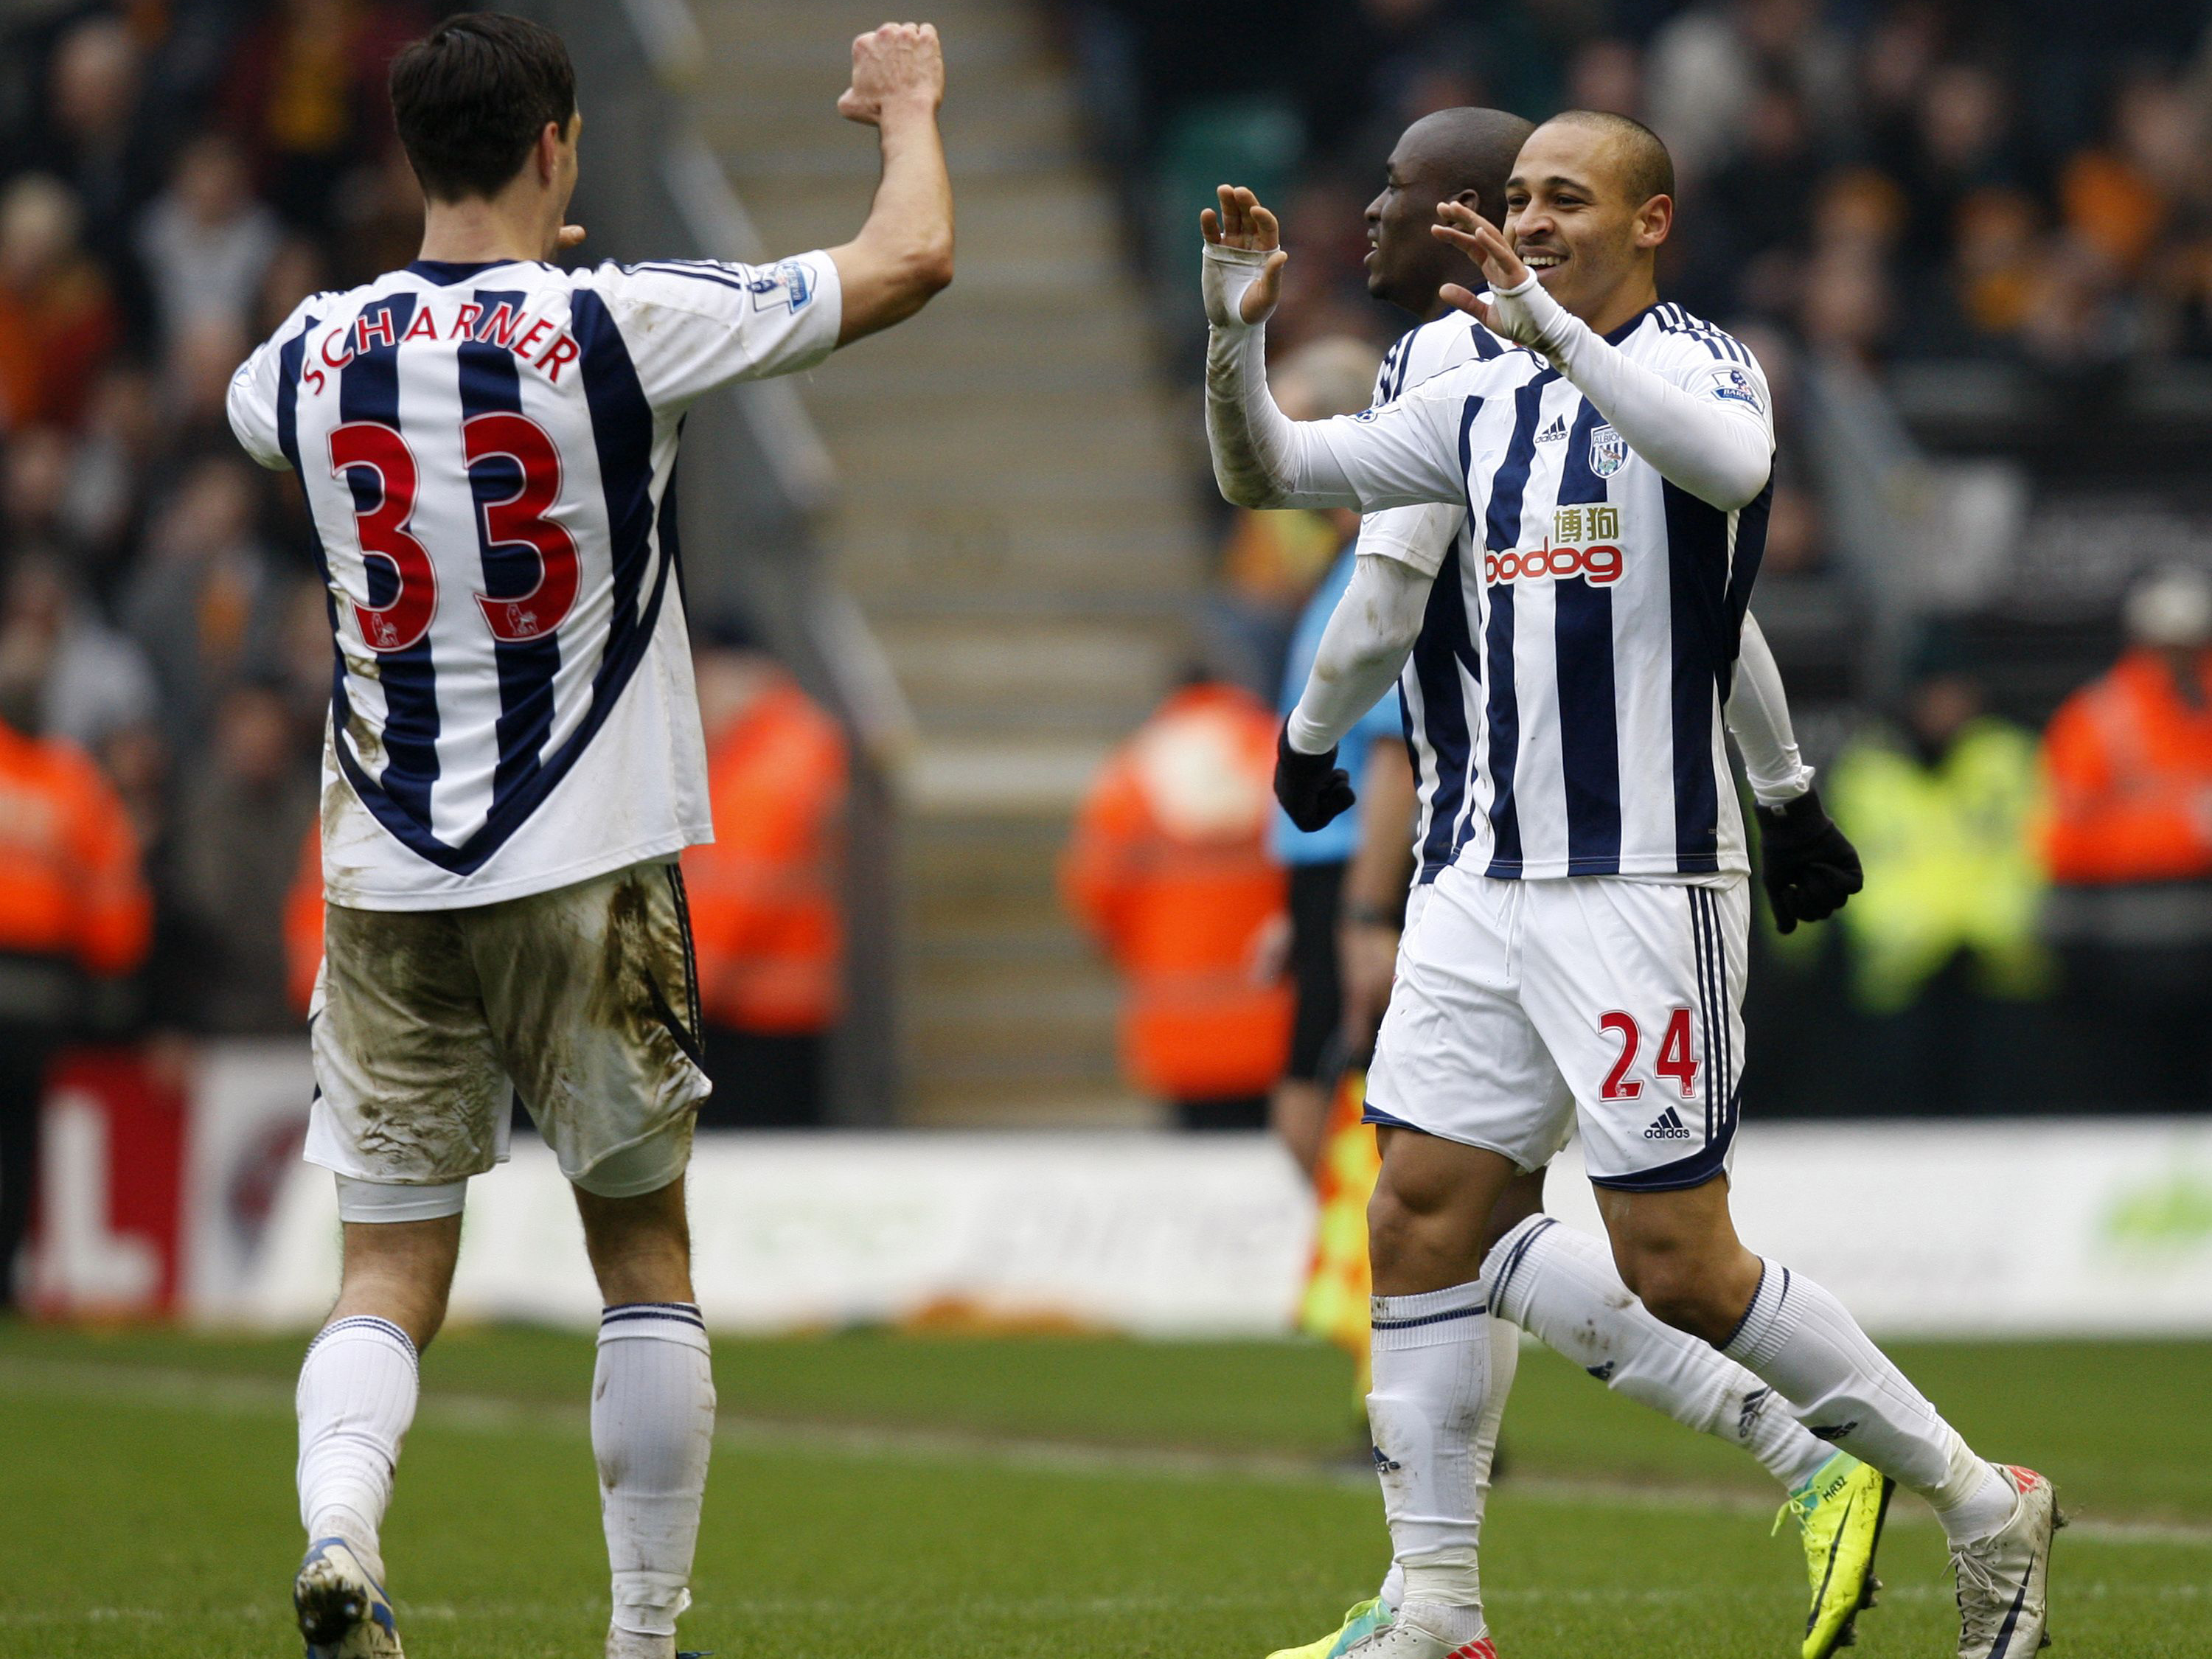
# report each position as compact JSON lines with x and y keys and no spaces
{"x":489,"y":453}
{"x":1563,"y":704}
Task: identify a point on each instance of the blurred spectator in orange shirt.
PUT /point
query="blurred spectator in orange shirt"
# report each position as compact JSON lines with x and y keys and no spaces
{"x":2129,"y":844}
{"x":1169,"y":870}
{"x":74,"y":910}
{"x":765,"y":924}
{"x":2130,"y":755}
{"x":57,"y":321}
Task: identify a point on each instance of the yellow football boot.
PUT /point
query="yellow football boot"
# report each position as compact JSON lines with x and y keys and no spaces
{"x":1839,"y":1514}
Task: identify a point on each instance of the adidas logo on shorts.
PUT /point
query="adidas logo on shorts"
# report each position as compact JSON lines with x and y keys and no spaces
{"x":1668,"y":1125}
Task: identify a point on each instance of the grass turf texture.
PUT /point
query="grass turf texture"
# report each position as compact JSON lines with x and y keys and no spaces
{"x":959,"y":1498}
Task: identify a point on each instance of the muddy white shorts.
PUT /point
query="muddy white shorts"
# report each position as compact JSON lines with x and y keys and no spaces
{"x":581,"y":1002}
{"x":1525,"y":1009}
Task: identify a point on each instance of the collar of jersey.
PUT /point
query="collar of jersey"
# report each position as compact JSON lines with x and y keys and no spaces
{"x":446,"y":272}
{"x":1616,"y":335}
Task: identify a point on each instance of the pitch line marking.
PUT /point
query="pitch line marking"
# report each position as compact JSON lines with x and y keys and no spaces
{"x":185,"y":1390}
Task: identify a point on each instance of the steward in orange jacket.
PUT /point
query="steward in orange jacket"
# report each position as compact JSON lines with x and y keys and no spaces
{"x":73,"y":908}
{"x":2128,"y":758}
{"x":765,"y":922}
{"x":303,"y":923}
{"x":1169,"y":870}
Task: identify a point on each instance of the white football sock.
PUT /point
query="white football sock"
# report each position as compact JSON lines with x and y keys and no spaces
{"x":1504,"y":1359}
{"x":1799,"y":1338}
{"x":652,"y":1426}
{"x":1559,"y":1285}
{"x":1431,"y":1355}
{"x":1393,"y":1593}
{"x":358,"y":1386}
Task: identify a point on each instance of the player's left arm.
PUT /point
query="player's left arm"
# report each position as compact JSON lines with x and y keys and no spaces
{"x":1706,"y":427}
{"x":903,"y":252}
{"x":1759,"y":719}
{"x":1807,"y":864}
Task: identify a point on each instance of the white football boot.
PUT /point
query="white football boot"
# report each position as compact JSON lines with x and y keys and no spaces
{"x":1405,"y":1637}
{"x":343,"y":1612}
{"x":2002,"y":1578}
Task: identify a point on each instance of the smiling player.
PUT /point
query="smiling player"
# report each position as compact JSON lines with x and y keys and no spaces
{"x":487,"y":443}
{"x":1561,"y":1284}
{"x":1580,"y":961}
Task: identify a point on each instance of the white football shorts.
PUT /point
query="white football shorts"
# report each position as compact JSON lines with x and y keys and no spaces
{"x":581,"y":1002}
{"x":1525,"y":1009}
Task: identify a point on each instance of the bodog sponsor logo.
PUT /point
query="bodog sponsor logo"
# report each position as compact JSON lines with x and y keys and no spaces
{"x":1599,"y":564}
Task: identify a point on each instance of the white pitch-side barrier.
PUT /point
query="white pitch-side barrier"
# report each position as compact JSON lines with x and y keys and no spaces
{"x":2087,"y":1226}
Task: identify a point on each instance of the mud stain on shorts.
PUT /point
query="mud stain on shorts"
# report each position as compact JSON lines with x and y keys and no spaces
{"x":411,"y":1025}
{"x":640,"y":951}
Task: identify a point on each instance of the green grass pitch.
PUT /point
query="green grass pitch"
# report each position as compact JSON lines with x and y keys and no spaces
{"x":999,"y":1498}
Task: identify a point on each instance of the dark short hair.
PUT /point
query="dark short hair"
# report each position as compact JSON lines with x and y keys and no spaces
{"x":1646,"y":167}
{"x":471,"y":96}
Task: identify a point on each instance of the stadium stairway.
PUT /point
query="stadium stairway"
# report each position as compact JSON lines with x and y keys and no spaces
{"x":1013,"y":516}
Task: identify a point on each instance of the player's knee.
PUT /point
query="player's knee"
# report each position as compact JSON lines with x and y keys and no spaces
{"x":1412,"y":1229}
{"x":1674,"y":1286}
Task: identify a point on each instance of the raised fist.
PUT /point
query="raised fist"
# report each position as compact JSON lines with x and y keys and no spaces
{"x":898,"y":64}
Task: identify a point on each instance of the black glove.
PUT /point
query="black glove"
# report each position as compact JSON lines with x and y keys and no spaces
{"x":1808,"y":868}
{"x":1313,"y":788}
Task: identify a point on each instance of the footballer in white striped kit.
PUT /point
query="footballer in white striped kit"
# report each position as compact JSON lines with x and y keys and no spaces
{"x":1578,"y":963}
{"x":487,"y":443}
{"x":1556,"y":1282}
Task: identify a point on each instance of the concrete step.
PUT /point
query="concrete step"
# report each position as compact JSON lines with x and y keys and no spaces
{"x":1016,"y":515}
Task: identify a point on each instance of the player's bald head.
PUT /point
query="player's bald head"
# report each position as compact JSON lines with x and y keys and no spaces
{"x":1464,"y":148}
{"x":1636,"y":157}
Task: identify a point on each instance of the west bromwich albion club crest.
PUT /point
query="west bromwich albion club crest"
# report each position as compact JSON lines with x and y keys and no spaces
{"x":1608,"y":449}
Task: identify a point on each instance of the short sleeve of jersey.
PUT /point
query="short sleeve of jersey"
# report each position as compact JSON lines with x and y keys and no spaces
{"x":1418,"y":536}
{"x":252,"y":401}
{"x":692,"y":326}
{"x":1405,"y":451}
{"x":1721,"y":368}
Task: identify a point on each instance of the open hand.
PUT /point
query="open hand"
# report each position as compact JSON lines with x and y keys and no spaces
{"x":1244,"y":223}
{"x":899,"y":65}
{"x":1483,"y":243}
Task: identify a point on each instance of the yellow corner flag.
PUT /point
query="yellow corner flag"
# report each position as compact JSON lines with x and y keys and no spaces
{"x":1338,"y":1283}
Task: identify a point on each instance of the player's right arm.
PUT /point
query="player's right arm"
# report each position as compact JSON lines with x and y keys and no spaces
{"x":253,"y":400}
{"x":1398,"y":455}
{"x":903,"y":253}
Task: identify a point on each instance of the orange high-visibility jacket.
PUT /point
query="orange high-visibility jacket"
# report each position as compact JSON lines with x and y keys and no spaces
{"x":303,"y":923}
{"x":764,"y":919}
{"x":70,"y":885}
{"x":1168,"y":869}
{"x":2130,"y":766}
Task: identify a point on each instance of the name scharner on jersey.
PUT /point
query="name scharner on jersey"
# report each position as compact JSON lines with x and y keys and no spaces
{"x":488,"y":453}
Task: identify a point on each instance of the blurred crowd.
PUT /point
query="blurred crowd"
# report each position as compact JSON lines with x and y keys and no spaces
{"x":1885,"y":178}
{"x":175,"y":177}
{"x":1866,"y":184}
